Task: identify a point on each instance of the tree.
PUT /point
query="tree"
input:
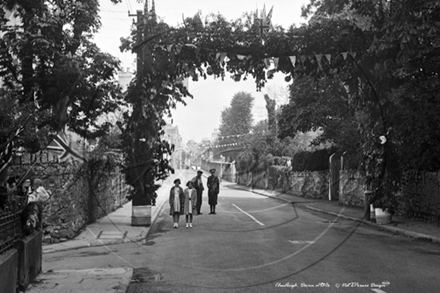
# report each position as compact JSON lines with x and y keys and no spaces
{"x":52,"y":73}
{"x":325,"y":105}
{"x":393,"y":79}
{"x":356,"y":42}
{"x":237,"y":119}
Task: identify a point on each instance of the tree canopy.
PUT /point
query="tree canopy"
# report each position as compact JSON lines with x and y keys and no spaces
{"x":52,"y":74}
{"x":380,"y":56}
{"x":378,"y":60}
{"x":237,"y":118}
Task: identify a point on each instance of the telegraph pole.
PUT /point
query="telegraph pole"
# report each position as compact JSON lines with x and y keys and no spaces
{"x":141,"y":202}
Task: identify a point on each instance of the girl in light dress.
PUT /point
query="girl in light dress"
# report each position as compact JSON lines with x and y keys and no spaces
{"x":176,"y":201}
{"x":190,"y":203}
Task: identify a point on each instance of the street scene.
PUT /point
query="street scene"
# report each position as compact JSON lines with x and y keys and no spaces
{"x":254,"y":243}
{"x":219,"y":146}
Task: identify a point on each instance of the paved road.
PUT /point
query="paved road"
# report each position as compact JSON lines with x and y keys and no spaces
{"x":258,"y":244}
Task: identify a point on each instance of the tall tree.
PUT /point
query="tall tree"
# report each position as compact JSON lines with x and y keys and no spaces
{"x":393,"y":78}
{"x":321,"y":104}
{"x":237,"y":118}
{"x":52,"y":72}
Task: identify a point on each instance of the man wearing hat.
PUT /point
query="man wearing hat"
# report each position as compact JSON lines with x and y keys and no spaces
{"x":198,"y":185}
{"x":213,"y":190}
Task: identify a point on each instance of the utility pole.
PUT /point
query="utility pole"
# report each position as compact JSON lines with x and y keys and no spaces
{"x":141,"y":202}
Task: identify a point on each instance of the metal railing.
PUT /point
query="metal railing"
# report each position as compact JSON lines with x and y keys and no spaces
{"x":10,"y":229}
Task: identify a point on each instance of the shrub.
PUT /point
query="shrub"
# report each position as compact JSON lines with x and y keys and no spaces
{"x":312,"y":161}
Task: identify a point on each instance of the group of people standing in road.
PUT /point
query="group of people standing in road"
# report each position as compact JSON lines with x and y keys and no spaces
{"x":188,"y":201}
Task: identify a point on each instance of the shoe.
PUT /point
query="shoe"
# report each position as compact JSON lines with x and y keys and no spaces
{"x":211,"y":213}
{"x":200,"y":214}
{"x":214,"y":213}
{"x":187,"y":226}
{"x":174,"y":226}
{"x":190,"y":225}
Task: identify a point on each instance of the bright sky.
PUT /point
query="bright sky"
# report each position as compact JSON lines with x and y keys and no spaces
{"x":202,"y":114}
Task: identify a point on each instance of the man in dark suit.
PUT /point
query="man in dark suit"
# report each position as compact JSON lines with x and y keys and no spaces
{"x":198,"y":185}
{"x":213,"y":190}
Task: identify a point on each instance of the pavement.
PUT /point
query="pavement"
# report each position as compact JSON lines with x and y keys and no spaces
{"x":399,"y":224}
{"x":116,"y":228}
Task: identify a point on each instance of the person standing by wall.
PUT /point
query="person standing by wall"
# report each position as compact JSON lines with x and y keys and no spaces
{"x":176,"y":201}
{"x":39,"y":193}
{"x":190,"y":203}
{"x":198,"y":185}
{"x":213,"y":191}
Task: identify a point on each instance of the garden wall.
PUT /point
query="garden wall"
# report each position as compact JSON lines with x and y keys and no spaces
{"x":421,"y":196}
{"x":224,"y":170}
{"x":281,"y":178}
{"x":419,"y":199}
{"x":75,"y":202}
{"x":351,"y":188}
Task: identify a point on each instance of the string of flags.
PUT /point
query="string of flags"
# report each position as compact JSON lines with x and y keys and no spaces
{"x":268,"y":61}
{"x":231,"y":136}
{"x":226,"y":145}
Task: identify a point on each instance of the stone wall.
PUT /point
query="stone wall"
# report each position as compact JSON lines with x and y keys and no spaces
{"x":421,"y":196}
{"x":351,"y":188}
{"x":281,"y":178}
{"x":253,"y":179}
{"x":310,"y":184}
{"x":75,"y":201}
{"x":224,"y":170}
{"x":419,"y":199}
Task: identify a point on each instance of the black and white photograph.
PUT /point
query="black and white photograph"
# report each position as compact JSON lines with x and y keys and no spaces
{"x":200,"y":146}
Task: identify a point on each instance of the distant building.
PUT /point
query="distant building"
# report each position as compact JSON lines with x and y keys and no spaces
{"x":125,"y":78}
{"x":214,"y":135}
{"x":173,"y":137}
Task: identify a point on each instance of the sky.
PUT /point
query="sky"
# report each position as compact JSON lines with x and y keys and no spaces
{"x":201,"y":116}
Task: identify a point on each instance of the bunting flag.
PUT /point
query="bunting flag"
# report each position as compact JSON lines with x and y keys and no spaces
{"x":275,"y":62}
{"x":223,"y":57}
{"x":65,"y":150}
{"x":318,"y":58}
{"x":231,"y":136}
{"x":292,"y":60}
{"x":226,"y":145}
{"x":329,"y":58}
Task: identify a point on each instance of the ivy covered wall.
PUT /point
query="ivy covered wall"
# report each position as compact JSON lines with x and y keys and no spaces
{"x":80,"y":195}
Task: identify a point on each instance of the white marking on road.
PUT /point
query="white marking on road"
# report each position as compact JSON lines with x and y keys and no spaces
{"x":378,"y":291}
{"x":278,"y":260}
{"x":249,"y":215}
{"x":301,"y":242}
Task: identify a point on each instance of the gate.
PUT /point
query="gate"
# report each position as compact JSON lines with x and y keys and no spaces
{"x":335,"y":167}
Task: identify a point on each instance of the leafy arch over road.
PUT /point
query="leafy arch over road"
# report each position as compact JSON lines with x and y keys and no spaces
{"x":381,"y":51}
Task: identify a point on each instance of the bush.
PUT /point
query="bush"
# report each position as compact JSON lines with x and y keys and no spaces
{"x":312,"y":161}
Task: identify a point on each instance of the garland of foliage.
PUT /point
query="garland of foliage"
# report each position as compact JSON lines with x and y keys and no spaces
{"x":381,"y":81}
